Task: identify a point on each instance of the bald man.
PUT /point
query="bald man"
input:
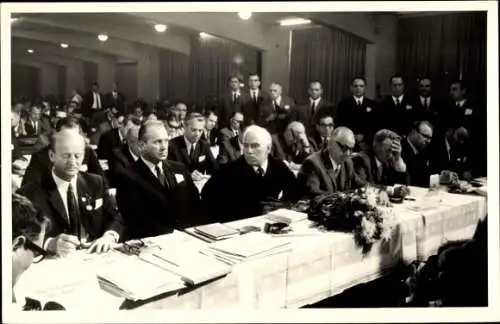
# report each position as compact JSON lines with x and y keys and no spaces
{"x":331,"y":169}
{"x":293,"y":145}
{"x":241,"y":187}
{"x":274,"y":115}
{"x":157,"y":195}
{"x":81,"y":212}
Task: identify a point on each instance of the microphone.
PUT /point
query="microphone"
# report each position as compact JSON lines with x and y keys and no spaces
{"x":53,"y":306}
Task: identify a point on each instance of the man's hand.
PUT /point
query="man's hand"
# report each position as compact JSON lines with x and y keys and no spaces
{"x":197,"y":175}
{"x":271,"y":117}
{"x":396,"y":150}
{"x":103,"y":244}
{"x":63,"y":244}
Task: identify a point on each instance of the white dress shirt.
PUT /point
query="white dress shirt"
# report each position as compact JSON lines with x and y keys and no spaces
{"x":135,"y":157}
{"x":97,"y":100}
{"x":460,"y":103}
{"x":277,"y":101}
{"x":359,"y":101}
{"x":62,"y":188}
{"x":336,"y":167}
{"x":190,"y":146}
{"x":254,"y":93}
{"x":423,"y":99}
{"x":412,"y":146}
{"x":263,"y":166}
{"x":400,"y":98}
{"x":316,"y":102}
{"x":152,"y":166}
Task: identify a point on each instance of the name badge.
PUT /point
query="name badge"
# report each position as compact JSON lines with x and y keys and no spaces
{"x":468,"y":112}
{"x":201,"y":158}
{"x":368,"y":109}
{"x":98,"y":203}
{"x":408,"y":107}
{"x":287,"y":107}
{"x":83,"y":168}
{"x":179,"y":178}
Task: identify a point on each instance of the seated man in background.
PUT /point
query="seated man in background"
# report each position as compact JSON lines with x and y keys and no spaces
{"x":292,"y":145}
{"x":211,"y":133}
{"x":324,"y":128}
{"x":331,"y":169}
{"x":230,"y":142}
{"x":191,"y":151}
{"x":33,"y":125}
{"x":382,"y":164}
{"x":124,"y":156}
{"x":81,"y":212}
{"x":114,"y":137}
{"x":452,"y":153}
{"x":416,"y":154}
{"x":156,"y":195}
{"x":40,"y":161}
{"x":241,"y":187}
{"x":28,"y":232}
{"x":235,"y":124}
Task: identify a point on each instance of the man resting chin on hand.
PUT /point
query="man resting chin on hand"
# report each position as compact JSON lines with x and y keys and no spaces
{"x":82,"y":213}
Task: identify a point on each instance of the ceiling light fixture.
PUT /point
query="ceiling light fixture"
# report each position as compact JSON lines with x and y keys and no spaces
{"x":102,"y":37}
{"x":30,"y":51}
{"x":205,"y":35}
{"x":160,"y":28}
{"x":64,"y":45}
{"x":245,"y":15}
{"x":13,"y":19}
{"x":294,"y":21}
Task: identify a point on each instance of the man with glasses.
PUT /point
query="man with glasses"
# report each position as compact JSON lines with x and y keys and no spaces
{"x":416,"y":155}
{"x":324,"y":128}
{"x":28,"y":232}
{"x":82,"y":213}
{"x":331,"y":169}
{"x":382,"y":163}
{"x":242,"y":187}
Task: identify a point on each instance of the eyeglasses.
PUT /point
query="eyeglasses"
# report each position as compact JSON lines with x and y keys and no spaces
{"x":344,"y":147}
{"x":427,"y":137}
{"x":38,"y":252}
{"x":326,"y":125}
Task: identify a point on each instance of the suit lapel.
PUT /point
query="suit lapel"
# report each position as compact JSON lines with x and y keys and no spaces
{"x":169,"y":175}
{"x":148,"y":180}
{"x":183,"y":149}
{"x":329,"y":168}
{"x":55,"y":198}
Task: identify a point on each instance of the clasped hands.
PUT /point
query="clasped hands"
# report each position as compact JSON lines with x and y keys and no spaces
{"x":65,"y":244}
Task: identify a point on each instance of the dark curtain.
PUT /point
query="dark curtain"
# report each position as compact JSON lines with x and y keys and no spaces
{"x":25,"y":82}
{"x":90,"y":71}
{"x":212,"y":62}
{"x":444,"y":47}
{"x":330,"y":56}
{"x":174,"y":76}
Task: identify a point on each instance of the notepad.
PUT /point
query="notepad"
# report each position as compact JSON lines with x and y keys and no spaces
{"x":286,"y":216}
{"x":216,"y":231}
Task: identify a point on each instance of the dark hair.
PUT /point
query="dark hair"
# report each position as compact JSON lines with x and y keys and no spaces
{"x":463,"y":85}
{"x":322,"y":115}
{"x":210,"y":112}
{"x":27,"y":220}
{"x":397,"y":75}
{"x":383,"y":134}
{"x":69,"y":122}
{"x":253,"y":74}
{"x":237,"y":112}
{"x":418,"y":123}
{"x":235,"y":77}
{"x":316,"y":81}
{"x":358,"y":78}
{"x":424,"y":77}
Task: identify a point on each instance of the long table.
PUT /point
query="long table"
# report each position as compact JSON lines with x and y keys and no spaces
{"x":319,"y":265}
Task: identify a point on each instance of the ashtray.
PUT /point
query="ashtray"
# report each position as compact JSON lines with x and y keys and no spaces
{"x":396,"y":200}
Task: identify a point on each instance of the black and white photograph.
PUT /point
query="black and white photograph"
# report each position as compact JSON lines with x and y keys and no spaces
{"x":250,"y":157}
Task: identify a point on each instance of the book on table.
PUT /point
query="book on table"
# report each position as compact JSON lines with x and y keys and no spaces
{"x":286,"y":216}
{"x":213,"y":232}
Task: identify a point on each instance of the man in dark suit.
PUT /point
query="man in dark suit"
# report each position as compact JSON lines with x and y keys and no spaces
{"x":230,"y":103}
{"x":292,"y":145}
{"x":189,"y":150}
{"x":81,"y":212}
{"x":324,"y":125}
{"x":40,"y":161}
{"x":230,"y":147}
{"x":357,"y":113}
{"x":331,"y":169}
{"x":275,"y":115}
{"x":253,"y":100}
{"x":416,"y":155}
{"x":241,"y":187}
{"x":452,"y":153}
{"x":430,"y":107}
{"x":211,"y":133}
{"x":115,"y":137}
{"x":157,"y":195}
{"x":307,"y":112}
{"x":382,"y":164}
{"x":93,"y":102}
{"x":34,"y":125}
{"x":397,"y":111}
{"x":115,"y":100}
{"x":124,"y":156}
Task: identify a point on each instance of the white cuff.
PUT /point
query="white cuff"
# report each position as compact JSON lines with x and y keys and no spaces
{"x":47,"y":243}
{"x":400,"y":165}
{"x":390,"y":190}
{"x":115,"y":235}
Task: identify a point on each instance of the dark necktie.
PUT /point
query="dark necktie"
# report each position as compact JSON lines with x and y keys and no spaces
{"x":426,"y":104}
{"x":276,"y":106}
{"x":260,"y":172}
{"x":398,"y":101}
{"x":191,"y":153}
{"x":254,"y":97}
{"x":74,"y":223}
{"x":359,"y":103}
{"x":160,"y":176}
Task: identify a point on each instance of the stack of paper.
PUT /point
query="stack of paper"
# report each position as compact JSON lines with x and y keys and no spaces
{"x":213,"y":232}
{"x":192,"y":266}
{"x":136,"y":279}
{"x":286,"y":216}
{"x":247,"y":247}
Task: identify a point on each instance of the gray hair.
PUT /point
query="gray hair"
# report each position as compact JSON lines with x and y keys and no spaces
{"x":260,"y":132}
{"x":294,"y":125}
{"x":384,"y":134}
{"x":147,"y":125}
{"x":341,"y":131}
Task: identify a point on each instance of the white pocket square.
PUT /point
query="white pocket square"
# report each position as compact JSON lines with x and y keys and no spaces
{"x":468,"y":111}
{"x":179,"y":178}
{"x":201,"y":158}
{"x":98,"y":203}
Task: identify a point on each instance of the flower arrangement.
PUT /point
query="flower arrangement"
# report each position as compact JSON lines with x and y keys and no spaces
{"x":363,"y":211}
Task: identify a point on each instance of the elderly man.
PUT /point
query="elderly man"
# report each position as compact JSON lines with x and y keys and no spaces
{"x":416,"y":154}
{"x":80,"y":209}
{"x":40,"y":162}
{"x":124,"y":156}
{"x":241,"y":187}
{"x":192,"y":152}
{"x":382,"y":164}
{"x":274,"y":116}
{"x":231,"y":148}
{"x":292,"y":145}
{"x":28,"y":233}
{"x":156,"y":195}
{"x":331,"y":169}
